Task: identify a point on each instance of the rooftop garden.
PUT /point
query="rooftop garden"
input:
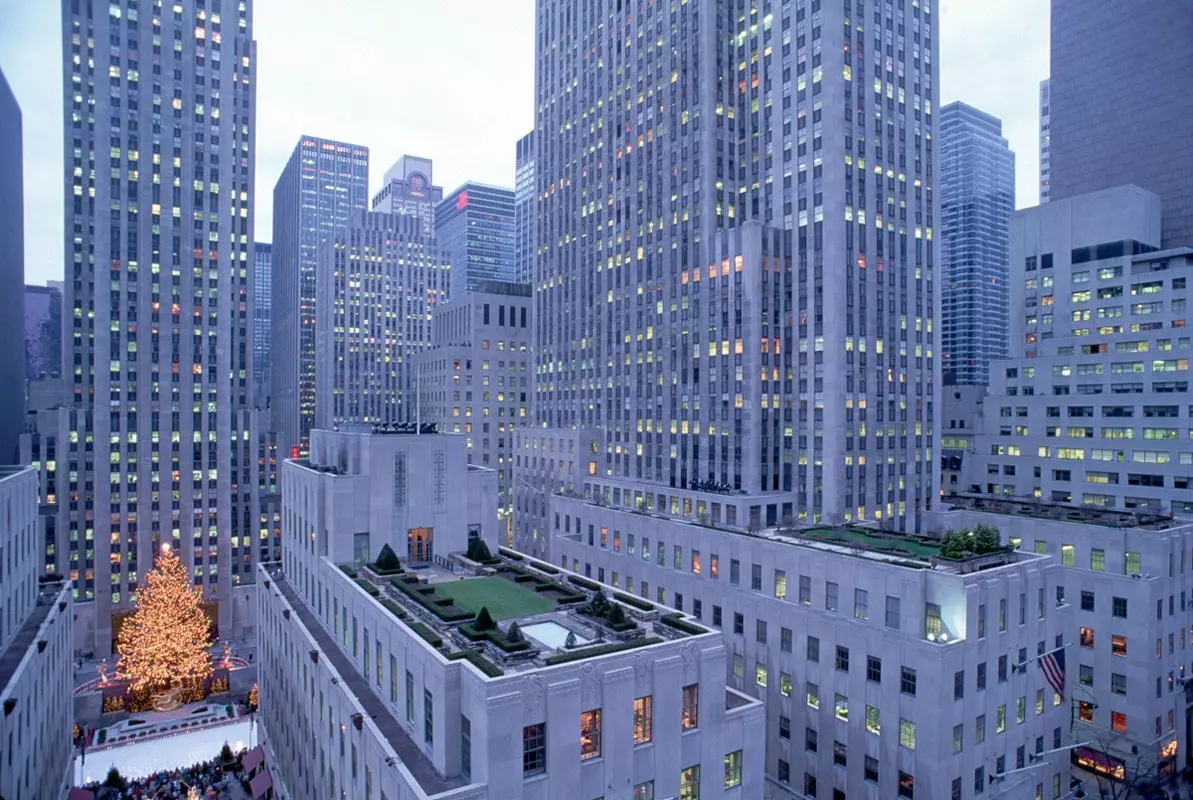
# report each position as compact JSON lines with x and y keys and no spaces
{"x":913,"y":547}
{"x":505,"y":599}
{"x":980,"y":541}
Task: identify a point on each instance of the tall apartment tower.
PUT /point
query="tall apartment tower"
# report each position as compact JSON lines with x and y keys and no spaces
{"x":408,"y":189}
{"x":43,"y":332}
{"x":320,"y":187}
{"x":475,"y":227}
{"x":1113,"y":126}
{"x":380,"y":277}
{"x":158,"y":138}
{"x":1045,"y":141}
{"x":977,"y":194}
{"x":737,"y":268}
{"x":525,"y":219}
{"x":262,"y":306}
{"x":12,"y":274}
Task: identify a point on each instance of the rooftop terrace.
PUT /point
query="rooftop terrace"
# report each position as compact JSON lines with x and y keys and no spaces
{"x":1087,"y":515}
{"x":513,"y":613}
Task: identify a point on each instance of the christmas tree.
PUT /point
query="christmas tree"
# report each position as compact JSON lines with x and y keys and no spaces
{"x":165,"y":641}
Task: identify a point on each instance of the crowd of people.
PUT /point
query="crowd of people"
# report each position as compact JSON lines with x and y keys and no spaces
{"x":207,"y":779}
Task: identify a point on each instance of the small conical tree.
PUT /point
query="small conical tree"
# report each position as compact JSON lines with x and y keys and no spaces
{"x":115,"y":780}
{"x":598,"y":605}
{"x":616,"y":616}
{"x":478,"y":550}
{"x":986,"y":539}
{"x":226,"y":755}
{"x":570,"y":642}
{"x":387,"y":559}
{"x":514,"y":634}
{"x":484,"y":622}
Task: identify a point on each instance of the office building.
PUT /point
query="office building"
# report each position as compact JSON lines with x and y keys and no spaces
{"x":1129,"y":661}
{"x":1045,"y":142}
{"x":475,"y":227}
{"x":402,"y":695}
{"x":1091,"y":409}
{"x":525,"y":210}
{"x":478,"y":378}
{"x":43,"y":332}
{"x":380,"y":277}
{"x":550,"y":461}
{"x":962,"y":409}
{"x":879,"y":660}
{"x":323,"y":183}
{"x":262,"y":336}
{"x":408,"y":189}
{"x":12,"y":274}
{"x":36,"y":653}
{"x":977,"y":179}
{"x":673,"y":231}
{"x":152,"y":454}
{"x":1112,"y":126}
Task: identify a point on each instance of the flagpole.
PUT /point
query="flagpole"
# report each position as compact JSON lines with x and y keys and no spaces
{"x":1022,"y":665}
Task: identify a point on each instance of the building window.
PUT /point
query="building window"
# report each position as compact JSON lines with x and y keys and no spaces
{"x":534,"y":749}
{"x":870,"y":771}
{"x":841,"y":707}
{"x":813,"y":695}
{"x":907,"y":734}
{"x":642,"y":719}
{"x":1118,"y":683}
{"x":733,"y":769}
{"x":906,"y":785}
{"x":689,"y":783}
{"x":932,"y":626}
{"x":874,"y":669}
{"x":1118,"y":645}
{"x":958,"y":738}
{"x":739,"y":624}
{"x":1087,"y":601}
{"x":691,"y":706}
{"x":1085,"y":711}
{"x":644,"y":791}
{"x":759,"y":673}
{"x":756,"y":577}
{"x":695,"y":562}
{"x":1085,"y":637}
{"x":1119,"y":606}
{"x":813,"y":649}
{"x":780,"y":584}
{"x":784,"y":727}
{"x":428,"y":717}
{"x":907,"y":681}
{"x":734,"y":571}
{"x":840,"y":754}
{"x":842,"y":658}
{"x":1097,"y":560}
{"x":830,"y":596}
{"x":466,"y":748}
{"x":893,"y":612}
{"x":805,"y":590}
{"x":590,"y":734}
{"x":873,"y":721}
{"x":1118,"y":722}
{"x":811,"y":740}
{"x":785,"y":639}
{"x":784,"y":772}
{"x":861,"y":604}
{"x":409,"y":697}
{"x":760,"y":631}
{"x":784,"y":684}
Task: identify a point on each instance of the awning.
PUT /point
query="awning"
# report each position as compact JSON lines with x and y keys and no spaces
{"x":260,"y":783}
{"x":253,"y":759}
{"x":80,"y":794}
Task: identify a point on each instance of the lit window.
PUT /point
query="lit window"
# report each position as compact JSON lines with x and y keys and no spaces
{"x":642,"y":719}
{"x":1086,"y":637}
{"x":691,"y":706}
{"x":733,"y":769}
{"x":590,"y":734}
{"x":1118,"y":645}
{"x":907,"y":734}
{"x":1118,"y":722}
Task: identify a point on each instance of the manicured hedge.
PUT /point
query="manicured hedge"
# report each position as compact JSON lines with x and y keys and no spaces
{"x":477,"y":660}
{"x":510,"y":554}
{"x":494,"y":636}
{"x":592,"y":652}
{"x":394,"y":608}
{"x":587,"y":584}
{"x":425,"y":596}
{"x":630,"y":600}
{"x":347,"y":570}
{"x":677,"y":621}
{"x":547,"y":568}
{"x":368,"y":587}
{"x":432,"y":638}
{"x":620,"y":627}
{"x":380,"y":571}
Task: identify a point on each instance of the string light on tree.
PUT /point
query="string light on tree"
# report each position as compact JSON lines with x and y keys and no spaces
{"x":166,"y":641}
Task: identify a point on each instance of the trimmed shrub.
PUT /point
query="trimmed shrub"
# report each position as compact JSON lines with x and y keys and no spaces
{"x":477,"y":660}
{"x":514,"y":634}
{"x":584,"y":583}
{"x":432,"y":638}
{"x":678,"y":622}
{"x":635,"y":602}
{"x":592,"y":652}
{"x":510,"y":554}
{"x":425,"y":597}
{"x":368,"y":587}
{"x":478,"y":551}
{"x":387,"y":560}
{"x":393,"y":608}
{"x":484,"y":620}
{"x":348,"y":570}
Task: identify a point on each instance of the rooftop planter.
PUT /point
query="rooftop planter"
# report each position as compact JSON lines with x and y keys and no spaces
{"x":607,"y":613}
{"x":510,"y":554}
{"x":425,"y":596}
{"x":485,"y":629}
{"x":347,"y":569}
{"x":479,"y":661}
{"x":387,"y":562}
{"x":679,"y":623}
{"x":602,"y":650}
{"x":368,"y":587}
{"x":633,"y":602}
{"x":428,"y":635}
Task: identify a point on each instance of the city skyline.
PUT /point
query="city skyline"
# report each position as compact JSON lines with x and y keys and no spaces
{"x":977,"y":44}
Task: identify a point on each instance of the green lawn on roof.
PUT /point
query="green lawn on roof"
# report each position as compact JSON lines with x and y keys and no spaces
{"x":504,"y":599}
{"x":847,"y":537}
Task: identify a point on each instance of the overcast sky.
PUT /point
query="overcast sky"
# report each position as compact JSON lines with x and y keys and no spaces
{"x":449,"y":79}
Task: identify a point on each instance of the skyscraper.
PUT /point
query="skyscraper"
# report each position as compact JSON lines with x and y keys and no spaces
{"x":1045,"y":141}
{"x":977,"y":194}
{"x":736,"y":276}
{"x":408,"y":189}
{"x":525,"y":213}
{"x":160,"y":445}
{"x":12,"y":274}
{"x":1111,"y":125}
{"x":43,"y":332}
{"x":475,"y":229}
{"x":262,"y":305}
{"x":320,"y":187}
{"x":380,"y":276}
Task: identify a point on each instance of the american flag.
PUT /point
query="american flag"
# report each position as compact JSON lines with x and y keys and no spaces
{"x":1053,"y":666}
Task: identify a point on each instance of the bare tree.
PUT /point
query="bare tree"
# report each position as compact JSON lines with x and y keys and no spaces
{"x":1141,"y":778}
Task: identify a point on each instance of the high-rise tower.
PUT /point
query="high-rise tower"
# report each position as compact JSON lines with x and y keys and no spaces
{"x":475,"y":228}
{"x":526,"y":237}
{"x":320,"y":187}
{"x":159,"y":113}
{"x":737,"y":264}
{"x":12,"y":274}
{"x":977,"y":193}
{"x":1111,"y":125}
{"x":1045,"y":141}
{"x":262,"y":307}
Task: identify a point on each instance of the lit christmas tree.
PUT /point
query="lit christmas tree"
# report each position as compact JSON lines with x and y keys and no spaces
{"x":165,"y":641}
